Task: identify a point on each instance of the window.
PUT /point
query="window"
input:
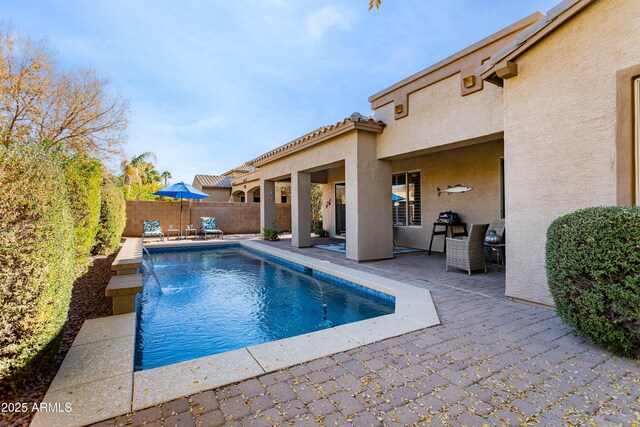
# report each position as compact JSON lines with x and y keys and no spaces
{"x":502,"y":194}
{"x":399,"y":199}
{"x":637,"y":140}
{"x":283,"y":199}
{"x":405,"y":199}
{"x":242,"y":199}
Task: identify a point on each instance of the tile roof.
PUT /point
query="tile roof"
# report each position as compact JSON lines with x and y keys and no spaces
{"x":321,"y":134}
{"x":217,"y":181}
{"x":245,"y":168}
{"x":554,"y":18}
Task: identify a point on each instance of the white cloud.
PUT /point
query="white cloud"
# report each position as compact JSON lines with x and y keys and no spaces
{"x":325,"y":19}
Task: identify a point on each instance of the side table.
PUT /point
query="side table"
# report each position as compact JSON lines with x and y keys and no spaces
{"x":176,"y":231}
{"x":497,"y":249}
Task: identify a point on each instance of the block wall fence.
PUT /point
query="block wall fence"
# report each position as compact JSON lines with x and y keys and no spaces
{"x":232,"y":218}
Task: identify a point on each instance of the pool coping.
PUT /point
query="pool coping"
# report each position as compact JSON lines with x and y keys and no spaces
{"x":87,"y":374}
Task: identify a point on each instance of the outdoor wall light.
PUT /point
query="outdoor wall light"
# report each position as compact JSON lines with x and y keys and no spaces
{"x":399,"y":108}
{"x":469,"y":81}
{"x":327,"y":204}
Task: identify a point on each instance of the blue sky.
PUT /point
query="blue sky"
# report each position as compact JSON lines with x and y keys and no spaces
{"x":212,"y":84}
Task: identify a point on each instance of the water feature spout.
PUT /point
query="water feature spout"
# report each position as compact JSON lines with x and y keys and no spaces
{"x":151,"y":269}
{"x":326,"y":323}
{"x":146,"y":251}
{"x":319,"y":288}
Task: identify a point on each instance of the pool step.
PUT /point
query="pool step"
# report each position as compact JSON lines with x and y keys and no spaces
{"x":129,"y":259}
{"x":123,"y":290}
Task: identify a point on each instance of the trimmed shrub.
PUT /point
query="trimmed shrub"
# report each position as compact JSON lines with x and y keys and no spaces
{"x":316,"y":228}
{"x":36,"y":257}
{"x":271,"y":234}
{"x":113,"y":218}
{"x":83,"y":177}
{"x":593,"y":270}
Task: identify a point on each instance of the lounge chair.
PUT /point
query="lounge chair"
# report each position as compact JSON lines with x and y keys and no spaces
{"x":151,"y":228}
{"x":208,"y":225}
{"x":468,"y":253}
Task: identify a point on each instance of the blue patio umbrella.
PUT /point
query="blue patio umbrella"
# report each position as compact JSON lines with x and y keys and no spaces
{"x":181,"y":191}
{"x":396,"y":202}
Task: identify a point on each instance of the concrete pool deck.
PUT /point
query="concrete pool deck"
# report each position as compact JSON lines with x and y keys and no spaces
{"x":97,"y":375}
{"x":491,"y":361}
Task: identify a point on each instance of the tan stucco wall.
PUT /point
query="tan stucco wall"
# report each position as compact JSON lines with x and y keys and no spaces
{"x":334,"y":176}
{"x":560,"y":115}
{"x":439,"y":115}
{"x":247,"y":178}
{"x":334,"y":150}
{"x":283,"y":188}
{"x":364,"y":174}
{"x":249,"y":189}
{"x":476,"y":166}
{"x":368,"y":191}
{"x":217,"y":194}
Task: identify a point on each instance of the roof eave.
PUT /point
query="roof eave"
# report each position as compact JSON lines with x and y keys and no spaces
{"x":505,"y":32}
{"x":555,"y":18}
{"x":339,"y":129}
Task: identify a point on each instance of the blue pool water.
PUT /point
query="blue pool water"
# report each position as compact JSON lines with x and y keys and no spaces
{"x":202,"y":302}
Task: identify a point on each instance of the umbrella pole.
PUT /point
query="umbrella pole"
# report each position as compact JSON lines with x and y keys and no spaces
{"x":180,"y":216}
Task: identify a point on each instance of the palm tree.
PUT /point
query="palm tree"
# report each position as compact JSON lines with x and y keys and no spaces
{"x":166,"y":175}
{"x":133,"y":170}
{"x":149,"y":174}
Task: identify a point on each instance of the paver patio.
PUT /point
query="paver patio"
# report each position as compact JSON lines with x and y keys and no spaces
{"x":491,"y":362}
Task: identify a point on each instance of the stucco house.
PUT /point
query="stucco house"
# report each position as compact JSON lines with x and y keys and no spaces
{"x":246,"y":189}
{"x":540,"y":119}
{"x":218,"y":187}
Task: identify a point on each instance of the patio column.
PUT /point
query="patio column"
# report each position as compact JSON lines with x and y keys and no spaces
{"x":301,"y":209}
{"x":369,"y":220}
{"x":267,"y":204}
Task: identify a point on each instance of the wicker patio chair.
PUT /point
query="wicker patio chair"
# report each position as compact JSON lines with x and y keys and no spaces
{"x":151,"y":228}
{"x":468,"y":253}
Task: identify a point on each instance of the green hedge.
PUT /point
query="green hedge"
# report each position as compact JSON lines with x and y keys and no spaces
{"x":36,"y":256}
{"x":271,"y":234}
{"x":113,"y":218}
{"x":316,"y":228}
{"x":83,"y":177}
{"x":593,"y":270}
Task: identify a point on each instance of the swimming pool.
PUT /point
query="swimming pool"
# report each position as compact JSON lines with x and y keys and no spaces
{"x":201,"y":301}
